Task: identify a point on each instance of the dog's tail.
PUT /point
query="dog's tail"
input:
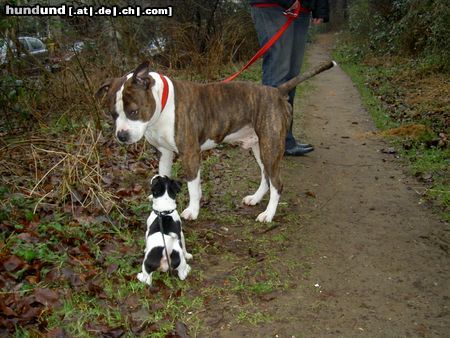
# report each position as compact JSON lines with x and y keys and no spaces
{"x":286,"y":87}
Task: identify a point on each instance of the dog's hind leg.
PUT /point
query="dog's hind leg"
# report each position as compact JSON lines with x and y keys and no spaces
{"x":179,"y":262}
{"x":186,"y":254}
{"x":263,"y":186}
{"x":267,"y":215}
{"x":271,"y":157}
{"x":150,"y":264}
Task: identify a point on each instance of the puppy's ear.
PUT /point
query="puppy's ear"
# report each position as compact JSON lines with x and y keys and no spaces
{"x":175,"y":186}
{"x":103,"y":89}
{"x":141,"y":76}
{"x":157,"y":186}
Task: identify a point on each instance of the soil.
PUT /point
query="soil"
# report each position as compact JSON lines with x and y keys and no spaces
{"x":374,"y":257}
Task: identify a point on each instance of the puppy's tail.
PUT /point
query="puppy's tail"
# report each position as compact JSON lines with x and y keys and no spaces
{"x":286,"y":87}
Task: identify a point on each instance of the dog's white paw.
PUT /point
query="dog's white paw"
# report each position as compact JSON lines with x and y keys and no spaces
{"x":144,"y":278}
{"x":189,"y":214}
{"x":264,"y":217}
{"x":182,"y":273}
{"x":187,"y":255}
{"x":150,"y":197}
{"x":251,"y":200}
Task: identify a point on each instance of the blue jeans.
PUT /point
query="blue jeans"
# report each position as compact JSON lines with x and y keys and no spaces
{"x":284,"y":59}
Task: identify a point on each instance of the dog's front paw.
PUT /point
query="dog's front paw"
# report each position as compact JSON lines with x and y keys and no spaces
{"x":251,"y":200}
{"x":182,"y":273}
{"x":189,"y":214}
{"x":187,"y":255}
{"x":264,"y":217}
{"x":144,"y":278}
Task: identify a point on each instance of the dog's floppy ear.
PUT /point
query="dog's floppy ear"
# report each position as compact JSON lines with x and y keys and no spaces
{"x":157,"y":186}
{"x":175,"y":186}
{"x":103,"y":89}
{"x":141,"y":75}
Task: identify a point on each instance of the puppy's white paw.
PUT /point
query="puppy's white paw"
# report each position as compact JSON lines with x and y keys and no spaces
{"x":189,"y":214}
{"x":187,"y":255}
{"x":150,"y":197}
{"x":264,"y":217}
{"x":182,"y":273}
{"x":251,"y":200}
{"x":144,"y":278}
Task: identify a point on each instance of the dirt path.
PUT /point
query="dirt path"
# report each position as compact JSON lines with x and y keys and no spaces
{"x":375,"y":262}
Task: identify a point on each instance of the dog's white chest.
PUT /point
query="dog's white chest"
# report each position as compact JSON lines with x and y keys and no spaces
{"x":161,"y":133}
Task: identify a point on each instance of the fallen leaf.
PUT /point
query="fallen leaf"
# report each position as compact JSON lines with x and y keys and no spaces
{"x":32,"y":279}
{"x":111,"y":269}
{"x":31,"y":313}
{"x":181,"y":330}
{"x":310,"y":194}
{"x":73,"y":278}
{"x":6,"y":310}
{"x":56,"y":333}
{"x":124,"y":192}
{"x":132,"y":301}
{"x":116,"y":332}
{"x":96,"y":289}
{"x":46,"y":296}
{"x":12,"y":263}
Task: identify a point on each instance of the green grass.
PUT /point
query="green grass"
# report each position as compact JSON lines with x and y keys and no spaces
{"x":253,"y":317}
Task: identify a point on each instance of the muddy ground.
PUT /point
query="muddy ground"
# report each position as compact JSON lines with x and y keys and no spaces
{"x":353,"y":252}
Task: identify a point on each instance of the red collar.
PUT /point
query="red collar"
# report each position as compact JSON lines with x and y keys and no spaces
{"x":165,"y":93}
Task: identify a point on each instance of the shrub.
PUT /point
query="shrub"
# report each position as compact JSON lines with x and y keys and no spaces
{"x":414,"y":28}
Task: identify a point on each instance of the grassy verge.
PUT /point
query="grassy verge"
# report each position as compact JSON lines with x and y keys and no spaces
{"x":401,"y":98}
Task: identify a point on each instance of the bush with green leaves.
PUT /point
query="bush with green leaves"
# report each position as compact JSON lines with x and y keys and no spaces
{"x":414,"y":28}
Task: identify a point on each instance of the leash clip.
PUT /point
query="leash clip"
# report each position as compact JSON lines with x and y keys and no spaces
{"x":293,"y":11}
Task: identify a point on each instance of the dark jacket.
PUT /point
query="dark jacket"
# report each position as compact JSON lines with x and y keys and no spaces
{"x":319,"y":8}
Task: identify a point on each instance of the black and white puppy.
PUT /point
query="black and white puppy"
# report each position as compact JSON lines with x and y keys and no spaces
{"x":164,"y":210}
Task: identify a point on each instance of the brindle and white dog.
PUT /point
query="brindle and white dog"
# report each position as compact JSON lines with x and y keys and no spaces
{"x":187,"y":118}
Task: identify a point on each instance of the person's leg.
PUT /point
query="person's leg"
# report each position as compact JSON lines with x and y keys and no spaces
{"x":301,"y":25}
{"x":276,"y":61}
{"x":277,"y":67}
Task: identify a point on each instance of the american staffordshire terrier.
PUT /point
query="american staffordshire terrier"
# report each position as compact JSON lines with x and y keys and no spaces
{"x":186,"y":118}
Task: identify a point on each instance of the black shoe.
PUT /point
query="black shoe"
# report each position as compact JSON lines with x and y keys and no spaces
{"x":298,"y":150}
{"x":305,"y":145}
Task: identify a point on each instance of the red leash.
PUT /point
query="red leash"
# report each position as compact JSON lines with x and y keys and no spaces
{"x":292,"y":14}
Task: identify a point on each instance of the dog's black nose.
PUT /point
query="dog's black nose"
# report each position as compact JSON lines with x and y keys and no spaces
{"x":122,"y":135}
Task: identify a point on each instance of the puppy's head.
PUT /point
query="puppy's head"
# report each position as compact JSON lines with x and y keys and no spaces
{"x":130,"y":102}
{"x":164,"y":191}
